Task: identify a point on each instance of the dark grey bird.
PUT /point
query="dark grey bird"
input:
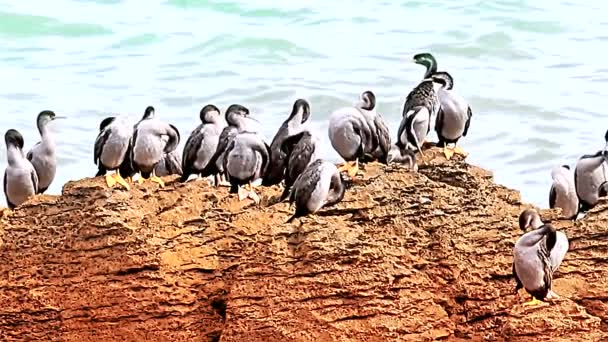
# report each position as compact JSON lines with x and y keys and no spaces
{"x":402,"y":156}
{"x":421,"y":105}
{"x":290,"y":127}
{"x":202,"y":143}
{"x":246,"y":159}
{"x":563,"y":192}
{"x":359,"y":133}
{"x":454,"y":115}
{"x":300,"y":150}
{"x":590,"y":176}
{"x":20,"y":178}
{"x":112,"y":150}
{"x":42,"y":155}
{"x":238,"y":120}
{"x":537,"y":255}
{"x":152,"y":138}
{"x":320,"y":185}
{"x":170,"y":164}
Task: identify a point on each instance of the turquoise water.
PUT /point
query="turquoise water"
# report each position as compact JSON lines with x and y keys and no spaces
{"x":533,"y":73}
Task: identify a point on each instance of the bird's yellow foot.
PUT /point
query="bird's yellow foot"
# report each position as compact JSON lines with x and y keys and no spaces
{"x":157,"y":179}
{"x":351,"y":169}
{"x":459,"y":150}
{"x":242,"y":194}
{"x":110,"y":180}
{"x":254,"y":196}
{"x":449,"y":152}
{"x":118,"y":178}
{"x":140,"y":179}
{"x":533,"y":302}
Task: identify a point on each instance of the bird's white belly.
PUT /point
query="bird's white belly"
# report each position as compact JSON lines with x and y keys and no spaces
{"x":45,"y":169}
{"x":205,"y":152}
{"x":19,"y":185}
{"x":529,"y":269}
{"x":243,"y":164}
{"x":147,"y":151}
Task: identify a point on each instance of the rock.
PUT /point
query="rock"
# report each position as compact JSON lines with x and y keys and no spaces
{"x":191,"y":263}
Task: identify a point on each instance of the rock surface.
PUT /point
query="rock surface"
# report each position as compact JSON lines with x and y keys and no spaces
{"x":406,"y":256}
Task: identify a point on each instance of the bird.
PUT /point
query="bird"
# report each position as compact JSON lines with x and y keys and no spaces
{"x":402,"y":156}
{"x":151,"y":139}
{"x":112,"y":150}
{"x":563,"y":191}
{"x":246,"y":159}
{"x":537,"y":255}
{"x":453,"y":117}
{"x":358,"y":132}
{"x":42,"y":154}
{"x":202,"y":143}
{"x":169,"y":164}
{"x":421,"y":104}
{"x":300,"y":150}
{"x":300,"y":113}
{"x":320,"y":185}
{"x":590,"y":178}
{"x":238,"y":119}
{"x":20,"y":177}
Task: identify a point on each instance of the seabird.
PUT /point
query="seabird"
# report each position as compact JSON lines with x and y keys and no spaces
{"x":357,"y":132}
{"x":421,"y":104}
{"x":112,"y":150}
{"x":42,"y":155}
{"x":246,"y":159}
{"x":590,"y":176}
{"x":537,"y":255}
{"x":151,"y":139}
{"x":320,"y":185}
{"x":169,"y":164}
{"x":20,"y":178}
{"x":299,"y":150}
{"x":563,"y":192}
{"x":202,"y":143}
{"x":402,"y":156}
{"x":238,"y":120}
{"x":454,"y":115}
{"x":290,"y":127}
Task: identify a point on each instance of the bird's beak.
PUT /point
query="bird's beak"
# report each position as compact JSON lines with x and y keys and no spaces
{"x":251,"y":118}
{"x":59,"y":117}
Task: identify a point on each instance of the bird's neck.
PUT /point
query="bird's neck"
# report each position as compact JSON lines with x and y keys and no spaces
{"x":431,"y":68}
{"x":14,"y":155}
{"x":46,"y":136}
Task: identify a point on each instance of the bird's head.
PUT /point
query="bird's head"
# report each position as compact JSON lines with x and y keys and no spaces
{"x":13,"y":138}
{"x":209,"y":114}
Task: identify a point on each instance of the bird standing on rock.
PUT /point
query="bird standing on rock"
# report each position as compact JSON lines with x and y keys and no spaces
{"x":454,"y":115}
{"x":300,"y":113}
{"x":536,"y":256}
{"x":20,"y":178}
{"x":112,"y":147}
{"x":151,"y":139}
{"x":563,"y":192}
{"x":590,"y":178}
{"x":42,"y":155}
{"x":320,"y":185}
{"x":202,"y":143}
{"x":357,"y":132}
{"x":300,"y":150}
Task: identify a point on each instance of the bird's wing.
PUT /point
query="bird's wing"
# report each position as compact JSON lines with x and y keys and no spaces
{"x":384,"y":136}
{"x":468,"y":123}
{"x":100,"y":141}
{"x":34,"y":177}
{"x":191,"y":148}
{"x":30,"y":153}
{"x":552,"y":197}
{"x":5,"y":193}
{"x":299,"y":159}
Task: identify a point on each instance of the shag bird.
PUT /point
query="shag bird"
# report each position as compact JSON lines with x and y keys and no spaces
{"x":454,"y":115}
{"x":246,"y":159}
{"x":421,"y":104}
{"x":290,"y":127}
{"x":202,"y":143}
{"x":42,"y":155}
{"x":151,"y":139}
{"x":590,"y":178}
{"x":536,"y":256}
{"x":169,"y":164}
{"x":563,"y":192}
{"x":238,"y":120}
{"x":300,"y":150}
{"x":402,"y":156}
{"x":320,"y":185}
{"x":20,"y":178}
{"x":112,"y":150}
{"x":358,"y":132}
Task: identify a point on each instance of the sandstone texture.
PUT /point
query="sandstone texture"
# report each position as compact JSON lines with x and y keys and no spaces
{"x":405,"y":257}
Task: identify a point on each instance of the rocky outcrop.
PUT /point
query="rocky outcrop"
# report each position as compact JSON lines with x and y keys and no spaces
{"x":406,"y":256}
